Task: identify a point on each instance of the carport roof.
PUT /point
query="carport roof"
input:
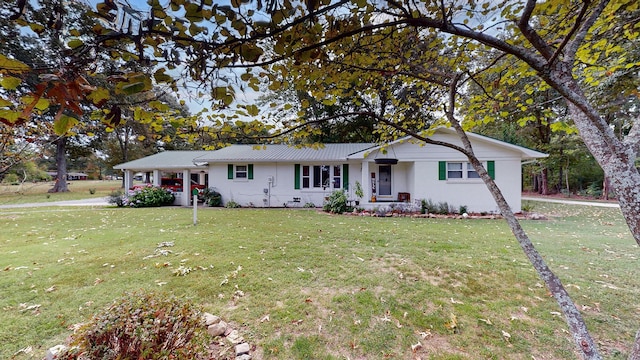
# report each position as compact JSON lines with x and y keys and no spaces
{"x":166,"y":160}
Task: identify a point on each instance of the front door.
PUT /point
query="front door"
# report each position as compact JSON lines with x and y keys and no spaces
{"x":384,"y":186}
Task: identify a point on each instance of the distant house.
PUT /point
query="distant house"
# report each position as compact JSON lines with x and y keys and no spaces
{"x":70,"y":175}
{"x":279,"y":175}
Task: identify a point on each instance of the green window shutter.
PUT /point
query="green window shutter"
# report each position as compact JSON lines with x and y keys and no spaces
{"x":345,"y":176}
{"x":491,"y":169}
{"x":296,"y":179}
{"x":230,"y":171}
{"x":250,"y":171}
{"x":442,"y":170}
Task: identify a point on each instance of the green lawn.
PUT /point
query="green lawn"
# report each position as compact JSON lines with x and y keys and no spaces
{"x":37,"y":192}
{"x":333,"y":287}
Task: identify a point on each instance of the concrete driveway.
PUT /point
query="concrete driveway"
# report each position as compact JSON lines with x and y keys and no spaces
{"x":572,"y":202}
{"x":83,"y":202}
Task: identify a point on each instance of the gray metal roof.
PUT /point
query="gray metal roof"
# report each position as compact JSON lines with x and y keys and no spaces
{"x":166,"y":160}
{"x":278,"y":153}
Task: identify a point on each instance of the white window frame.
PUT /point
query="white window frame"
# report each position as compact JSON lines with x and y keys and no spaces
{"x":237,"y":172}
{"x":468,"y":173}
{"x":317,"y":184}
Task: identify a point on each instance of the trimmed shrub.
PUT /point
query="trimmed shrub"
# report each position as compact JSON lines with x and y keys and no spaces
{"x":232,"y":205}
{"x":149,"y":196}
{"x":116,"y":198}
{"x":211,"y":197}
{"x":336,"y":203}
{"x":141,"y":326}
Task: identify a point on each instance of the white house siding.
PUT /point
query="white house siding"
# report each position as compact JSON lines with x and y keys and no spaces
{"x":418,"y":173}
{"x":280,"y":192}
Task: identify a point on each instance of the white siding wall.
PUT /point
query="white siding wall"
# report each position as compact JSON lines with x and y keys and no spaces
{"x":472,"y":193}
{"x":251,"y":192}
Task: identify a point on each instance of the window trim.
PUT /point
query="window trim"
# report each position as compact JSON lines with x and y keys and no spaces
{"x":444,"y":170}
{"x":315,"y":173}
{"x":233,"y":171}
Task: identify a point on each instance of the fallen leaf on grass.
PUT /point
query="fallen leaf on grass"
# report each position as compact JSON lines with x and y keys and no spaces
{"x":416,"y":347}
{"x":97,"y":281}
{"x":506,"y":335}
{"x":265,"y":318}
{"x":486,"y":321}
{"x":51,"y":289}
{"x":454,"y":301}
{"x":27,"y":350}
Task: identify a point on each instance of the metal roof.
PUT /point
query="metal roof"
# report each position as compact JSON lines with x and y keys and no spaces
{"x":166,"y":160}
{"x":525,"y":153}
{"x":279,"y":152}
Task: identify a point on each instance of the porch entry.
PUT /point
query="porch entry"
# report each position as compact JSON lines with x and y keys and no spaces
{"x":384,"y":182}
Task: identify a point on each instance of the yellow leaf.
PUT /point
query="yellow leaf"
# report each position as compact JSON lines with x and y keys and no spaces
{"x":141,"y":137}
{"x":12,"y":65}
{"x":10,"y":82}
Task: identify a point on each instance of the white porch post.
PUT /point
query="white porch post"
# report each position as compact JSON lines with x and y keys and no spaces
{"x":128,"y":179}
{"x":201,"y":177}
{"x":366,"y":183}
{"x":156,"y":178}
{"x":186,"y":188}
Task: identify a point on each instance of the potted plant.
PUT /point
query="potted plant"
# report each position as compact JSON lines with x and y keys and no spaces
{"x":359,"y":192}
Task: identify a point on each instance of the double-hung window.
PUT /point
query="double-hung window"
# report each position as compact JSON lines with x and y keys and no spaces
{"x":461,"y":170}
{"x":240,"y":171}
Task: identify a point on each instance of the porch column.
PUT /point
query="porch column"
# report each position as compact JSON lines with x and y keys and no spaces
{"x":366,"y":182}
{"x":128,"y":179}
{"x":186,"y":188}
{"x":201,"y":177}
{"x":156,"y":178}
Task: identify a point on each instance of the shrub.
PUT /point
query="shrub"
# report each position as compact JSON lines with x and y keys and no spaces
{"x":11,"y":179}
{"x":336,"y":203}
{"x":443,"y":208}
{"x":309,"y":205}
{"x":148,"y":196}
{"x":211,"y":197}
{"x":462,"y":209}
{"x":116,"y":198}
{"x":231,"y":205}
{"x":527,"y":206}
{"x":92,"y":191}
{"x":141,"y":326}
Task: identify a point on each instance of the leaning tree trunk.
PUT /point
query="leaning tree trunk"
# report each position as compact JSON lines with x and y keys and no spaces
{"x":577,"y":326}
{"x":61,"y":166}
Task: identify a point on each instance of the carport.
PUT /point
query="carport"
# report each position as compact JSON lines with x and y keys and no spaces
{"x":168,"y":164}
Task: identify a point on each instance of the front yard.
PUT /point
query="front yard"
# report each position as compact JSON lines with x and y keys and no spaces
{"x":301,"y":284}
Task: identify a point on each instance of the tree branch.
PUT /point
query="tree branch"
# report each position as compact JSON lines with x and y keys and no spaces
{"x":530,"y":34}
{"x":575,"y":27}
{"x":573,"y":45}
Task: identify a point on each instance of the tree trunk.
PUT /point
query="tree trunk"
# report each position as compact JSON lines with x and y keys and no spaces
{"x":544,"y":181}
{"x":618,"y":167}
{"x":577,"y":326}
{"x":61,"y":166}
{"x":605,"y":188}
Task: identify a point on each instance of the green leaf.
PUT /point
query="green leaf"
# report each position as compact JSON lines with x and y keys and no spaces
{"x":134,"y":88}
{"x":75,"y":43}
{"x":10,"y":82}
{"x":63,"y":124}
{"x":253,"y":110}
{"x":99,"y":96}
